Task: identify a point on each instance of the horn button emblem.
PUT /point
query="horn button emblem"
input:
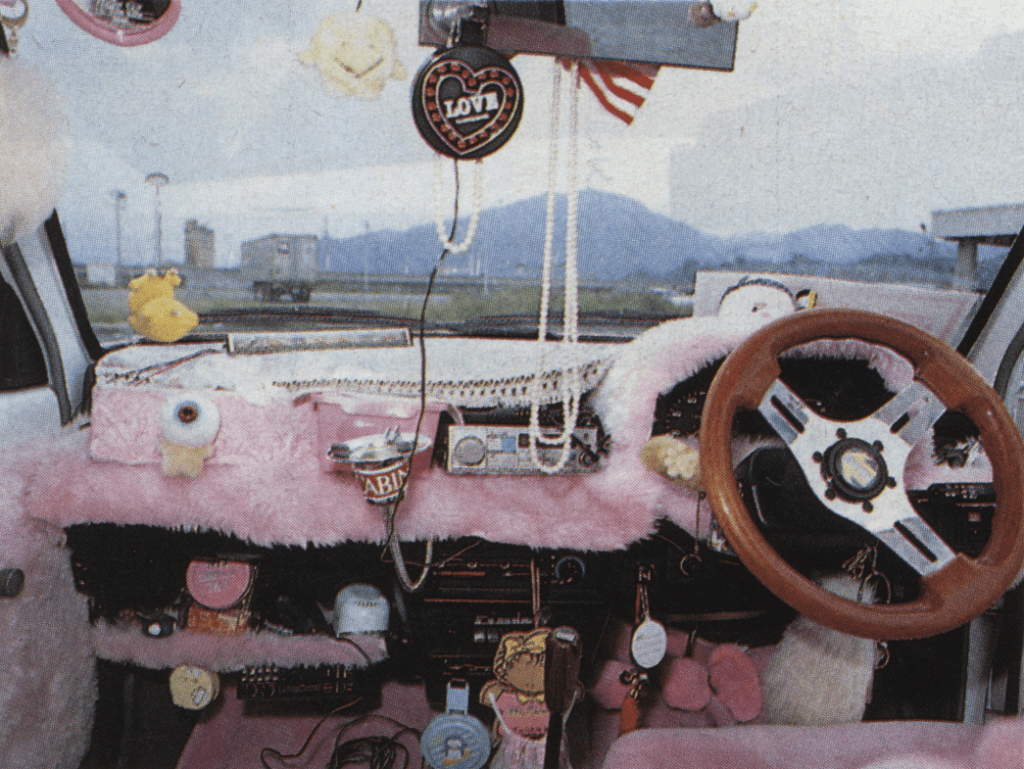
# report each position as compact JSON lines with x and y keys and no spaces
{"x":854,"y":470}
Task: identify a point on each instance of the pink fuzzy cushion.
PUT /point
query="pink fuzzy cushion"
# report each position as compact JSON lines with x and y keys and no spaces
{"x":735,"y":681}
{"x":1002,"y":746}
{"x":685,"y":685}
{"x":609,"y":691}
{"x":851,"y":746}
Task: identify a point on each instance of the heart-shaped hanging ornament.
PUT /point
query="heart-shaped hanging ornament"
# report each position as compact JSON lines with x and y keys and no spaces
{"x":467,"y":102}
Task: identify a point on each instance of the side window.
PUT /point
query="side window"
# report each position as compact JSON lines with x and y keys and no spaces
{"x":21,"y":358}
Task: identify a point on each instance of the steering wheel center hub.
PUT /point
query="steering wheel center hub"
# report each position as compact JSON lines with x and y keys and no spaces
{"x":855,"y":469}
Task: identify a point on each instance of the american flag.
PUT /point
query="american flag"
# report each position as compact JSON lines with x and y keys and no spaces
{"x":620,"y":86}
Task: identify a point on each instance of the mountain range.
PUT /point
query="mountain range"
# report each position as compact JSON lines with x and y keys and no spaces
{"x":621,"y":239}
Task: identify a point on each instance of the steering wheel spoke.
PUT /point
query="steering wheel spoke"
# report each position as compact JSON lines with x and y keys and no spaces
{"x":911,"y":413}
{"x":904,"y":532}
{"x":790,"y":417}
{"x":863,"y":492}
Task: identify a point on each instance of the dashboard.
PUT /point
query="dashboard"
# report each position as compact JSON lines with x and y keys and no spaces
{"x":211,"y":517}
{"x":513,"y":547}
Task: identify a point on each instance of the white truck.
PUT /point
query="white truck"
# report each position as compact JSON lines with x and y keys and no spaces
{"x":283,"y":268}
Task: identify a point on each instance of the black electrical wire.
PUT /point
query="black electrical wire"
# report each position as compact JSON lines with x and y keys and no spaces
{"x":393,"y":509}
{"x":378,"y":752}
{"x":280,"y":757}
{"x":357,"y":647}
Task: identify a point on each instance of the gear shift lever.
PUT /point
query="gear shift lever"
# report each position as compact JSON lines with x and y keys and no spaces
{"x":561,"y":674}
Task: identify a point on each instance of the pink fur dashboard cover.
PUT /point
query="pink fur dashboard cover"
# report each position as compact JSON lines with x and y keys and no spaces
{"x":265,"y":482}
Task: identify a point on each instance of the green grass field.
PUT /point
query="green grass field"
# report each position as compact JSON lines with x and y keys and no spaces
{"x":108,"y":306}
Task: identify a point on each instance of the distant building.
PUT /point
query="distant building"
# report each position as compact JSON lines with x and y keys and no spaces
{"x":971,"y":227}
{"x":101,"y":274}
{"x":200,"y":245}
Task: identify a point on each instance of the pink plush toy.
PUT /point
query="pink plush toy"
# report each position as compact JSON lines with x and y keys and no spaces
{"x":735,"y":682}
{"x":686,"y":685}
{"x":723,"y":680}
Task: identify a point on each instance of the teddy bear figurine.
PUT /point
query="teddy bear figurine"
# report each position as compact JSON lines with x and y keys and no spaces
{"x":154,"y":312}
{"x":517,"y":697}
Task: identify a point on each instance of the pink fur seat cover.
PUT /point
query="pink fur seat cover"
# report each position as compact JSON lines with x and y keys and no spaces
{"x":892,"y":745}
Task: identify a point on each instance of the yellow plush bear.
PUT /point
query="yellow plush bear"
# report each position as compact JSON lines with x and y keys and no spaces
{"x":154,"y":312}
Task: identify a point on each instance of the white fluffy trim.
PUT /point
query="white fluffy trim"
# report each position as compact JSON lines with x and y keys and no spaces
{"x":33,"y":149}
{"x":819,"y":676}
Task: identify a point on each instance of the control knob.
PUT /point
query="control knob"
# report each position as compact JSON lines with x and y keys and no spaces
{"x":569,"y":568}
{"x":470,"y":451}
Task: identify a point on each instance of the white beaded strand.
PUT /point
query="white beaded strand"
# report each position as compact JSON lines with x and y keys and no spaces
{"x":474,"y":217}
{"x":570,"y":324}
{"x":549,"y":221}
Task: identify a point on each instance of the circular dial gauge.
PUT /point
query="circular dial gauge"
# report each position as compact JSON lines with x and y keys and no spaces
{"x":218,"y":585}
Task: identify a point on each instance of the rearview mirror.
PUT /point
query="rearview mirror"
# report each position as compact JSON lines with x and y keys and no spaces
{"x":673,"y":32}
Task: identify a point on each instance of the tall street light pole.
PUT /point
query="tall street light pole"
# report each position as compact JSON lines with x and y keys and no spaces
{"x":158,"y":180}
{"x":119,"y":198}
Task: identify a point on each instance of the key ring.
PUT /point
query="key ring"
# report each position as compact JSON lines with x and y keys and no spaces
{"x":691,"y":563}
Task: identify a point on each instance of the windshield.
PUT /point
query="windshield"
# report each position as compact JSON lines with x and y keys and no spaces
{"x":244,"y":148}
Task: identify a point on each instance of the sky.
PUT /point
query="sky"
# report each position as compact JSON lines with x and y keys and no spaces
{"x":858,"y":112}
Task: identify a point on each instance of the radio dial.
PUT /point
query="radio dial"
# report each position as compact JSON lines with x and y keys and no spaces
{"x":470,"y":451}
{"x":569,"y":568}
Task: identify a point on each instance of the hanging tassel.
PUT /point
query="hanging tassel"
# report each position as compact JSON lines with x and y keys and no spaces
{"x":629,"y":718}
{"x":630,"y":715}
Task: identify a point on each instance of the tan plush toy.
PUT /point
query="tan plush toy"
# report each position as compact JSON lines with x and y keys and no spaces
{"x":517,"y":695}
{"x":673,"y":459}
{"x":155,"y":313}
{"x":355,"y":53}
{"x":519,"y":666}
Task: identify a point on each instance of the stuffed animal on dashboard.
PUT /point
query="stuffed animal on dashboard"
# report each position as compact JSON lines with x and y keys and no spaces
{"x":674,"y":459}
{"x":154,"y":312}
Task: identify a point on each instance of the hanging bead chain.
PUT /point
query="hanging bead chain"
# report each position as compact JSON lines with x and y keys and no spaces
{"x":474,"y":217}
{"x":570,"y":323}
{"x":549,"y":220}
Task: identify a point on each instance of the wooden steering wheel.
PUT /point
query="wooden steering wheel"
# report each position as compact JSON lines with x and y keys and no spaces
{"x":856,"y":470}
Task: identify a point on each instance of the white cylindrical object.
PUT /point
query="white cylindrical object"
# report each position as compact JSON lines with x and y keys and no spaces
{"x":360,"y":609}
{"x":189,"y":419}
